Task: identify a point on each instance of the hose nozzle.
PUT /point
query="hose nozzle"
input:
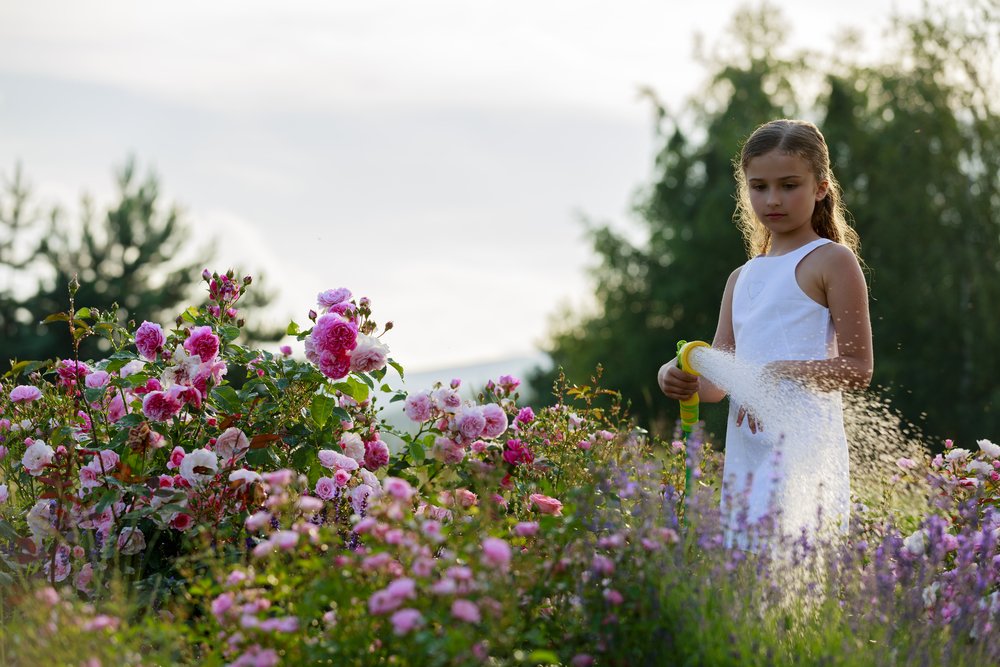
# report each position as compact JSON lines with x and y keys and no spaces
{"x":689,"y":406}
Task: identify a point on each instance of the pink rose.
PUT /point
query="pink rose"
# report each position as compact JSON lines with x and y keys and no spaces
{"x":341,"y":477}
{"x":418,"y":407}
{"x":376,"y":454}
{"x":326,"y":488}
{"x":405,"y":620}
{"x":181,"y":521}
{"x":25,"y":393}
{"x":496,"y":420}
{"x":149,"y":340}
{"x":175,"y":458}
{"x":471,"y":421}
{"x":332,"y":297}
{"x":370,"y":354}
{"x":160,"y":406}
{"x":546,"y":504}
{"x":526,"y":529}
{"x":398,"y":488}
{"x":335,"y":365}
{"x":286,"y":350}
{"x":203,"y":342}
{"x":335,"y":460}
{"x":465,"y":610}
{"x":233,"y":444}
{"x":70,"y":372}
{"x":447,"y":451}
{"x":496,"y":553}
{"x":333,"y":334}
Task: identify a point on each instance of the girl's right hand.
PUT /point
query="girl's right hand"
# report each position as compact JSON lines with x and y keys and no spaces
{"x":675,"y":383}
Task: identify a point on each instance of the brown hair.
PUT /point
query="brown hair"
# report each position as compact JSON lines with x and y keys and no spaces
{"x":803,"y":139}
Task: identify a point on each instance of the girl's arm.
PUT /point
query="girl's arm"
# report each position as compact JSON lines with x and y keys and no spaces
{"x":677,"y":384}
{"x":847,"y":298}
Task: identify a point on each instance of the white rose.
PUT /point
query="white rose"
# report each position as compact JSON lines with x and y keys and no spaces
{"x":369,"y":355}
{"x":206,"y":462}
{"x":957,"y":454}
{"x":37,"y":456}
{"x":980,"y":467}
{"x":353,"y":446}
{"x":233,"y":444}
{"x":991,"y":450}
{"x":131,"y":541}
{"x":369,"y":478}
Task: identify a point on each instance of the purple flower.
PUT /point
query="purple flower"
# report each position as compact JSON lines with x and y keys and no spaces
{"x":25,"y":393}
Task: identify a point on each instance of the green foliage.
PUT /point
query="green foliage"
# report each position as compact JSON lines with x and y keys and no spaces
{"x":916,"y":145}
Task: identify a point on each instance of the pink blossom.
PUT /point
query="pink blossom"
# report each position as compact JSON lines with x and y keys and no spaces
{"x":36,"y":457}
{"x":471,"y":421}
{"x":369,"y":355}
{"x":466,"y":498}
{"x":496,"y":553}
{"x":405,"y":620}
{"x":160,"y":406}
{"x":334,"y":334}
{"x":222,"y":604}
{"x":418,"y":407}
{"x":359,"y":497}
{"x":285,"y":539}
{"x":382,"y":602}
{"x":447,"y":451}
{"x":116,"y":408}
{"x":341,"y":477}
{"x":447,"y":399}
{"x":402,"y":588}
{"x":613,"y":597}
{"x":203,"y":342}
{"x":332,"y":297}
{"x":233,"y":444}
{"x":376,"y":454}
{"x":526,"y":529}
{"x":257,"y":520}
{"x":25,"y":393}
{"x":279,"y":478}
{"x":175,"y":458}
{"x":4,"y":493}
{"x":517,"y":453}
{"x":398,"y":488}
{"x":496,"y":421}
{"x":335,"y":365}
{"x":582,"y":660}
{"x":508,"y":383}
{"x":131,"y":541}
{"x":96,"y":379}
{"x":546,"y":504}
{"x":326,"y":488}
{"x":84,"y":577}
{"x":286,"y":350}
{"x":336,"y":461}
{"x":70,"y":372}
{"x":525,"y":416}
{"x":181,"y":521}
{"x":602,"y":565}
{"x":465,"y":610}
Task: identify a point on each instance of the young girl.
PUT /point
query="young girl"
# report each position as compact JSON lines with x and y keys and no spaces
{"x":798,"y":308}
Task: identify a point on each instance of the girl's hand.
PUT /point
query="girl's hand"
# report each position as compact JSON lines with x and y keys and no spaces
{"x":675,"y":383}
{"x":752,"y":421}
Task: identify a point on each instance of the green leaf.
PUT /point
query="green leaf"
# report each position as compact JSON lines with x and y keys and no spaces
{"x":229,"y":333}
{"x":56,"y":317}
{"x":417,"y":453}
{"x":7,"y":531}
{"x":226,"y":398}
{"x":190,"y":314}
{"x":93,"y":394}
{"x":83,"y":312}
{"x":321,"y":408}
{"x":400,"y":396}
{"x":353,"y":388}
{"x":292,"y":329}
{"x":26,"y":367}
{"x":118,"y":361}
{"x":399,"y":369}
{"x":545,"y":656}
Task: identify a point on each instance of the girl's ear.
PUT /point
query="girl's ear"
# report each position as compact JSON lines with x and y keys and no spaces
{"x":822,"y":189}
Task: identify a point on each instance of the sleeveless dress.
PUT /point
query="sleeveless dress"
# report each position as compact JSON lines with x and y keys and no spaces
{"x":799,"y":463}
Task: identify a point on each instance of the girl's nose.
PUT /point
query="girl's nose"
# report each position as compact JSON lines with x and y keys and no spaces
{"x":772,"y":197}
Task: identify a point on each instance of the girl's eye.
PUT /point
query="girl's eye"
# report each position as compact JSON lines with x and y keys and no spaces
{"x":758,"y":187}
{"x":791,"y":186}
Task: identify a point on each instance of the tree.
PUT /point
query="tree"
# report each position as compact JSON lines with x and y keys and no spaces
{"x":129,"y":258}
{"x":915,"y":144}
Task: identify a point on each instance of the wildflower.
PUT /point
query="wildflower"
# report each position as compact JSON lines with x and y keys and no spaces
{"x":613,"y":597}
{"x":916,"y":543}
{"x":465,"y":610}
{"x":25,"y":393}
{"x":405,"y":620}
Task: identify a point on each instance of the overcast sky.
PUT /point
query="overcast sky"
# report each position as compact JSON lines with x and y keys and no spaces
{"x":434,"y":155}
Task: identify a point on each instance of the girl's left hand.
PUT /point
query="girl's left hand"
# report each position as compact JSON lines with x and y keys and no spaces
{"x":752,"y":421}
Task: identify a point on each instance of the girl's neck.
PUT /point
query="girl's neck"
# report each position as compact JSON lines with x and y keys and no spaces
{"x":785,"y":243}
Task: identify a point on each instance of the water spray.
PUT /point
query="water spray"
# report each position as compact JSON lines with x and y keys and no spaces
{"x":689,"y":406}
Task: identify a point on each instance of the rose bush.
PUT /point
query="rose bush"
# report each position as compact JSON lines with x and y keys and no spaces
{"x":189,"y":499}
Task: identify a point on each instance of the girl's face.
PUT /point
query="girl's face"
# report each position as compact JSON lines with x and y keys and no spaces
{"x":783,"y":192}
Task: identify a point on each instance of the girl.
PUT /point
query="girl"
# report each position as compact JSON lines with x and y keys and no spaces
{"x":799,"y":308}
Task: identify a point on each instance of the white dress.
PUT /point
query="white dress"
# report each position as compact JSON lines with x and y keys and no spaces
{"x":799,"y":462}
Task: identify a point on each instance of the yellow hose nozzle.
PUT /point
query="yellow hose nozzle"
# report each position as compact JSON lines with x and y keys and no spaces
{"x":689,"y":406}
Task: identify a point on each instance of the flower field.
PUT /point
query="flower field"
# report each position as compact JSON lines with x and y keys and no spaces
{"x":191,"y":500}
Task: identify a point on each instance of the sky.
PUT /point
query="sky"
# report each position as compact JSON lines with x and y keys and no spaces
{"x":437,"y":156}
